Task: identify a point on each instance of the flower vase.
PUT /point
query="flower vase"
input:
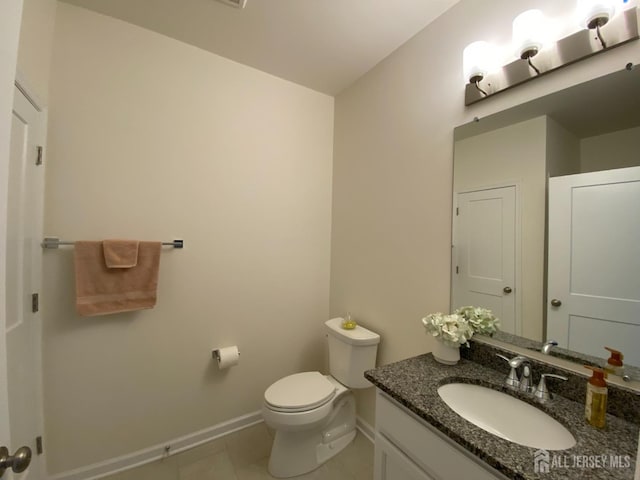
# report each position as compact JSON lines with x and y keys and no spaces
{"x":445,"y":354}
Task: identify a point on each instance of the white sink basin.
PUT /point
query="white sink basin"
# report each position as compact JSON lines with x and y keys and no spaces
{"x":506,"y":416}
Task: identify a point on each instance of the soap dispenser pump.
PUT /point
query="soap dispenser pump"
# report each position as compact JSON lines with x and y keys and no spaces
{"x":614,"y":364}
{"x":596,"y":401}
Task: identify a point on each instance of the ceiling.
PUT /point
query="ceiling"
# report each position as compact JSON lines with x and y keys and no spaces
{"x":325,"y":45}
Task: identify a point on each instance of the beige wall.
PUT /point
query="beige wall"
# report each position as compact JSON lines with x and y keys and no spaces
{"x":563,"y":150}
{"x":514,"y":155}
{"x":36,"y":41}
{"x":154,"y":139}
{"x":393,"y":159}
{"x":613,"y":150}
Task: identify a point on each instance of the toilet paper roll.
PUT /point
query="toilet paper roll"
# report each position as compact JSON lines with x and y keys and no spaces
{"x":227,"y":356}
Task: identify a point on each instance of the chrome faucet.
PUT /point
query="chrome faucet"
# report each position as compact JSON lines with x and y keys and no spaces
{"x":525,"y":378}
{"x":524,"y":382}
{"x":547,"y":346}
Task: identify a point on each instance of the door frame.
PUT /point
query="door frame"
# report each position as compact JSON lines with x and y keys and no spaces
{"x":10,"y":22}
{"x":518,"y":243}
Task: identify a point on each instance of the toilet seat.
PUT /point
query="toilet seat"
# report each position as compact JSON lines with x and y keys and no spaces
{"x":299,"y":392}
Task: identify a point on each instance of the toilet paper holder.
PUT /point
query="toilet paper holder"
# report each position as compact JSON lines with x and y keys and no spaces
{"x":216,"y":354}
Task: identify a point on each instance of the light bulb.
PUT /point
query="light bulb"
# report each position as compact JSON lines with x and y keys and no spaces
{"x":478,"y":60}
{"x":595,"y":13}
{"x":529,"y":33}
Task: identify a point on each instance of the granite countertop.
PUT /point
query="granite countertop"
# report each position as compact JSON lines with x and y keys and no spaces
{"x":414,"y":383}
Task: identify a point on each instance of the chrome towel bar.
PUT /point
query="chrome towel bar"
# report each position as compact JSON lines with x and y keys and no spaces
{"x":55,"y":242}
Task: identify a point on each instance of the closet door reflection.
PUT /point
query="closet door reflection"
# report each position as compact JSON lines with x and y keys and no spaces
{"x":594,"y":262}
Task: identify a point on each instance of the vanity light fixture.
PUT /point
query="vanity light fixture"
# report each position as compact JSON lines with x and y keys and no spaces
{"x":595,"y":14}
{"x":529,"y":35}
{"x":531,"y":38}
{"x":479,"y":59}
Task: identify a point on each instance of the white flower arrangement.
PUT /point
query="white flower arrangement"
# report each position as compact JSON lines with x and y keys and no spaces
{"x":482,"y":320}
{"x":452,"y":330}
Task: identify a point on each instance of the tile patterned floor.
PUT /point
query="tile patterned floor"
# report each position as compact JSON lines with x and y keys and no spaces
{"x":244,"y":455}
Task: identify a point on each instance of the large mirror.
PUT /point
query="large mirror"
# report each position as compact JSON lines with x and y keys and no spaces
{"x":546,"y":223}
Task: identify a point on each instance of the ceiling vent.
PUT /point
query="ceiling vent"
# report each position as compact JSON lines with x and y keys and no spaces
{"x":234,"y":3}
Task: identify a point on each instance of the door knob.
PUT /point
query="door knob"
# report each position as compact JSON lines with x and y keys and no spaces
{"x":555,"y":302}
{"x":18,"y":462}
{"x":507,"y":290}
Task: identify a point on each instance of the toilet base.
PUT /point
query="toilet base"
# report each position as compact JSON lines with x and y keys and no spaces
{"x":299,"y":452}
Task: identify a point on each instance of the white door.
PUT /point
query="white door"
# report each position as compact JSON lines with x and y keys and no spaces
{"x":594,"y":262}
{"x":484,"y":270}
{"x":23,"y":277}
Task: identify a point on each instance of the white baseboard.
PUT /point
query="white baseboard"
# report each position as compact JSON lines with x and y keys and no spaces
{"x":180,"y":444}
{"x":366,"y":429}
{"x":148,"y":455}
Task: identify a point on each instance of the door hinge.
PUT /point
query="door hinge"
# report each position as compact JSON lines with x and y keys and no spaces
{"x":39,"y":447}
{"x":35,"y":302}
{"x":39,"y":155}
{"x":457,"y":211}
{"x":457,"y":269}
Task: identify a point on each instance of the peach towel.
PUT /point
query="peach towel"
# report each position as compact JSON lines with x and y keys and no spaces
{"x":120,"y":253}
{"x":101,"y":290}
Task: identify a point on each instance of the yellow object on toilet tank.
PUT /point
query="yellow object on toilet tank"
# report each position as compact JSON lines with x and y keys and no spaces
{"x":348,"y":323}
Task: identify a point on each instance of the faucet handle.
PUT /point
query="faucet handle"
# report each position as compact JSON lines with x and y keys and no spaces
{"x":542,"y":393}
{"x":512,"y":379}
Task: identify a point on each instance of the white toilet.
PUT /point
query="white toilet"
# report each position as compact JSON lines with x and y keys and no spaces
{"x":314,"y":415}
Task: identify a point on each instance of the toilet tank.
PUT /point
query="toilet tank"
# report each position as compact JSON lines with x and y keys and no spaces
{"x":351,"y":352}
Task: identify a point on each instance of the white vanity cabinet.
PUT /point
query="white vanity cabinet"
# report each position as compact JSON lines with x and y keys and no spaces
{"x":407,"y":448}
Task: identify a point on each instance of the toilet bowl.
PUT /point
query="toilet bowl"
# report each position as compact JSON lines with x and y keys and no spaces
{"x":311,"y":430}
{"x":314,"y":415}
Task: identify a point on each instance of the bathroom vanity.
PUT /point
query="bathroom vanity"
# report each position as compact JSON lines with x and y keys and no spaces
{"x":410,"y":449}
{"x":418,"y":437}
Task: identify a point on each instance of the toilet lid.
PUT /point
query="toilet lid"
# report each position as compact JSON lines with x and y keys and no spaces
{"x":300,"y":392}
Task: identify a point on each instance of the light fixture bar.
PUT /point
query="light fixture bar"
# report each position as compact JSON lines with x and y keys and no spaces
{"x":619,"y":30}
